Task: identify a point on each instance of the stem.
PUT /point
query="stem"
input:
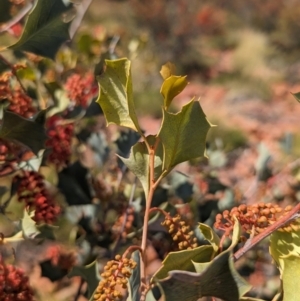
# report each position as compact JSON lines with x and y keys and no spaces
{"x":222,"y":242}
{"x":153,"y":209}
{"x":152,"y":186}
{"x":293,"y":214}
{"x":130,"y":250}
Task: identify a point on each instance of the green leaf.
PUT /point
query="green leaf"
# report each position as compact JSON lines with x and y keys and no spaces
{"x":89,"y":273}
{"x":290,"y":278}
{"x":115,"y":96}
{"x":134,"y":280}
{"x":297,"y":96}
{"x":45,"y":30}
{"x":284,"y":244}
{"x":211,"y":236}
{"x":201,"y":266}
{"x":138,"y":161}
{"x":183,"y":134}
{"x":171,"y":87}
{"x":220,"y":280}
{"x":182,"y":260}
{"x":285,"y":250}
{"x":28,"y":132}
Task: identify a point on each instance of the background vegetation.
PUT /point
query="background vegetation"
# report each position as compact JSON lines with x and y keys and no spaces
{"x":241,"y":59}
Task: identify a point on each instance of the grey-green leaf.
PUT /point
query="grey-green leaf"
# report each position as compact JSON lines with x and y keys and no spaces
{"x":183,"y":135}
{"x":138,"y":161}
{"x":220,"y":280}
{"x":135,"y":280}
{"x":210,"y":235}
{"x":115,"y":96}
{"x":45,"y":30}
{"x":28,"y":132}
{"x":171,"y":87}
{"x":183,"y":260}
{"x":297,"y":96}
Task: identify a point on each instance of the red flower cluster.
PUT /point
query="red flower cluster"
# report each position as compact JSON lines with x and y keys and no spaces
{"x":81,"y":89}
{"x":32,"y":191}
{"x":255,"y":218}
{"x":18,"y":101}
{"x":59,"y":141}
{"x":14,"y":285}
{"x":61,"y":257}
{"x":8,"y":157}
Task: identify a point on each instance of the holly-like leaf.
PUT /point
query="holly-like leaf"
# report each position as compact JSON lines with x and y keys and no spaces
{"x":284,"y":244}
{"x":183,"y":260}
{"x":171,"y":87}
{"x":138,"y":161}
{"x":89,"y":273}
{"x":45,"y":30}
{"x":134,"y":280}
{"x":285,"y":250}
{"x":290,"y":275}
{"x":183,"y":134}
{"x":297,"y":96}
{"x":220,"y":280}
{"x":211,"y":236}
{"x":115,"y":96}
{"x":31,"y":133}
{"x":201,"y":266}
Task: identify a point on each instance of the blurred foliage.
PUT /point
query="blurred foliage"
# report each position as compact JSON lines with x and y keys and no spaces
{"x":244,"y":46}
